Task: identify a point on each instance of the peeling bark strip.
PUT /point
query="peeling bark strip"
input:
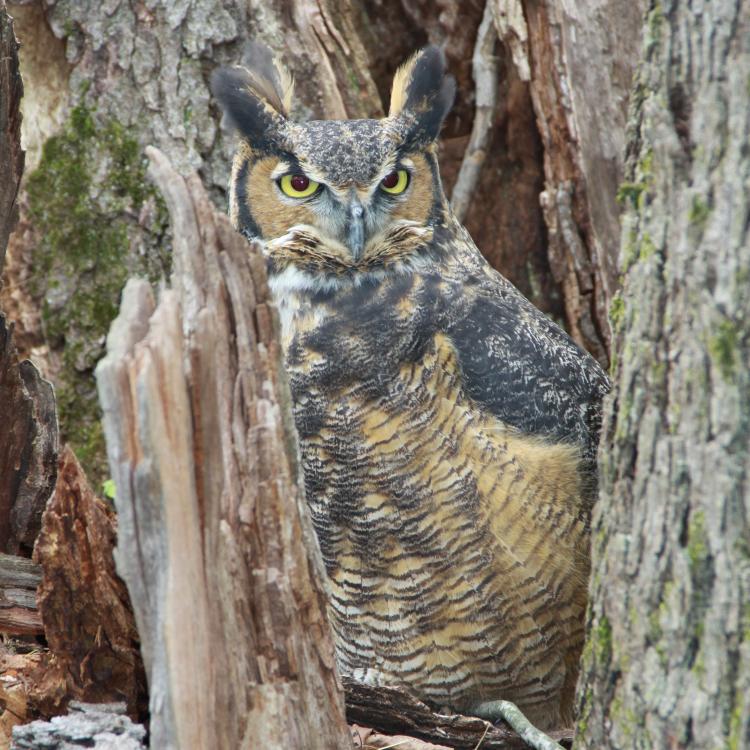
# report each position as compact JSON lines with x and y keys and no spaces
{"x":28,"y":423}
{"x":11,"y":153}
{"x":667,"y":664}
{"x":580,"y":64}
{"x":214,"y":542}
{"x":28,"y":446}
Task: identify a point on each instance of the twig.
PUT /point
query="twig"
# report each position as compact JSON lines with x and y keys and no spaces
{"x":511,"y":714}
{"x":481,"y":739}
{"x":485,"y":77}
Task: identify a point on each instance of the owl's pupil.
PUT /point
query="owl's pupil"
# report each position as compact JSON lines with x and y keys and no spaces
{"x":300,"y":182}
{"x":390,"y":180}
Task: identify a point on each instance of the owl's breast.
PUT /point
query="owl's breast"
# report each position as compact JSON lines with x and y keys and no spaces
{"x":451,"y":541}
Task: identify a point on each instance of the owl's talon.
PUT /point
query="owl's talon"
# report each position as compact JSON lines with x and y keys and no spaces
{"x":512,"y":715}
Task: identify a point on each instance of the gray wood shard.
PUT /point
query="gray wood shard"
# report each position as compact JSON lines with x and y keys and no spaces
{"x":99,"y":726}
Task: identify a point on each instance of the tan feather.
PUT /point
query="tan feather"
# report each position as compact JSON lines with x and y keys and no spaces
{"x":400,"y":85}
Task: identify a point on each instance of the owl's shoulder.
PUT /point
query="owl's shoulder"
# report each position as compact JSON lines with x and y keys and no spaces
{"x":516,"y":362}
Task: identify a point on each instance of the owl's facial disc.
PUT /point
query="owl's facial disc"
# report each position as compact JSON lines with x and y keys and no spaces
{"x":352,"y":214}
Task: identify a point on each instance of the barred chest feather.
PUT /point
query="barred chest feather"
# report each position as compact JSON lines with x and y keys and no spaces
{"x":454,"y":541}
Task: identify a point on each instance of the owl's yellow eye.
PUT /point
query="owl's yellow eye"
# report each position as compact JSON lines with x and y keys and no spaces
{"x":298,"y":185}
{"x":395,"y":182}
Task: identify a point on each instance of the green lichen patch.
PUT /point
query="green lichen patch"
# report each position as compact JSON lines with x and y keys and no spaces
{"x":630,"y":192}
{"x":722,"y":347}
{"x":601,"y":637}
{"x":98,"y":221}
{"x":647,"y":249}
{"x":698,"y":212}
{"x":697,"y":546}
{"x":654,"y":26}
{"x":737,"y":724}
{"x":617,"y":312}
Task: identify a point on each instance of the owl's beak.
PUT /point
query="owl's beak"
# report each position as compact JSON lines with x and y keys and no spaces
{"x":356,"y":229}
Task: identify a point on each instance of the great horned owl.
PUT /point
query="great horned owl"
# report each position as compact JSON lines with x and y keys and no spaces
{"x":447,"y":427}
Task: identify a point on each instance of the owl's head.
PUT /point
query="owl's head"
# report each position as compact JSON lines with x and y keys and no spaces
{"x":336,"y":196}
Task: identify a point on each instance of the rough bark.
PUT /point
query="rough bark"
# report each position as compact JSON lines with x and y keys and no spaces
{"x":88,"y":621}
{"x":11,"y":153}
{"x":214,"y":543}
{"x":28,"y":446}
{"x":668,"y":657}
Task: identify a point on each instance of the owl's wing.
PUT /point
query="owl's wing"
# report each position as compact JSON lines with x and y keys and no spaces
{"x":520,"y":366}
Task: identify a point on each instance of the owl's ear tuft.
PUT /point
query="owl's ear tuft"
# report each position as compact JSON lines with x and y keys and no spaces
{"x":270,"y":78}
{"x":256,"y":98}
{"x":422,"y":95}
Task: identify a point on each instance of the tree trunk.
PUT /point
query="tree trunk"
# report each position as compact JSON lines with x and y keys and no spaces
{"x":668,"y":658}
{"x":11,"y":154}
{"x":219,"y":556}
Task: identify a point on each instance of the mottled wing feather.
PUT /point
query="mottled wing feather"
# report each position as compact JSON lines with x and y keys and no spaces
{"x":525,"y":370}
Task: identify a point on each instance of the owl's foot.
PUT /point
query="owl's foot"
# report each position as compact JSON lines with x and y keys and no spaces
{"x":511,"y":714}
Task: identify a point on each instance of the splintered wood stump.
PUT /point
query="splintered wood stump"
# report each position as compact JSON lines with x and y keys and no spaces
{"x":214,"y":543}
{"x":93,"y":642}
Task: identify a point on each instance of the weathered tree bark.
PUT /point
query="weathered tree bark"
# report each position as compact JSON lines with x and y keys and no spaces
{"x":668,"y":658}
{"x":28,"y":422}
{"x":219,"y":557}
{"x":579,"y":59}
{"x":11,"y":153}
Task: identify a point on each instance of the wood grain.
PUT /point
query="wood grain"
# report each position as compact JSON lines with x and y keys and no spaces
{"x":214,"y":543}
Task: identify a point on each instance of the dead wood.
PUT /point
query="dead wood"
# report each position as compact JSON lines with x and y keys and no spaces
{"x":15,"y":669}
{"x":485,"y":66}
{"x":214,"y":542}
{"x":19,"y":578}
{"x":84,"y":605}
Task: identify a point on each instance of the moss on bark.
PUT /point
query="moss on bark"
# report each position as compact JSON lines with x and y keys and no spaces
{"x":98,"y":221}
